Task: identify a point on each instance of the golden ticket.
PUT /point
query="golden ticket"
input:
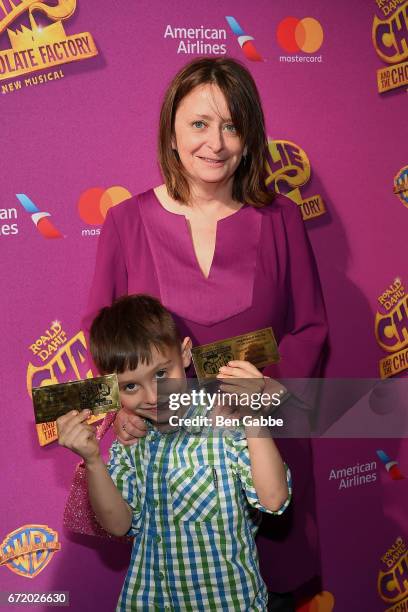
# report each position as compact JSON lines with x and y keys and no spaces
{"x":258,"y":347}
{"x":100,"y":394}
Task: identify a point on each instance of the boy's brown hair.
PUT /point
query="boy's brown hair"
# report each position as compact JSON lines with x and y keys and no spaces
{"x":122,"y":335}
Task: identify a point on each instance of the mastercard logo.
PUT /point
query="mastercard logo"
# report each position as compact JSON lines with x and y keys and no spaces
{"x":94,"y":203}
{"x":295,"y":35}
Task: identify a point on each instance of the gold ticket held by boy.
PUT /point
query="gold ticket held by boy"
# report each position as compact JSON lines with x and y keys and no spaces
{"x":100,"y":395}
{"x":258,"y":347}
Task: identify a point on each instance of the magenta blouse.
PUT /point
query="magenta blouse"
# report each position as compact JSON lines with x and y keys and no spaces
{"x":263,"y":274}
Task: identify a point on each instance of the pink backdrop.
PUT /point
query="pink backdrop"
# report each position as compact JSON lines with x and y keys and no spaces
{"x":95,"y":125}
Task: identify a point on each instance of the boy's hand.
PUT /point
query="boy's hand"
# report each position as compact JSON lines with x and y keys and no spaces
{"x":75,"y":434}
{"x":248,"y":380}
{"x":239,"y":369}
{"x":129,"y":427}
{"x":245,"y":369}
{"x":248,"y":377}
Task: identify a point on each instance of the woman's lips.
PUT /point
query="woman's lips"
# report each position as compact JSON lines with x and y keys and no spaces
{"x":211,"y":161}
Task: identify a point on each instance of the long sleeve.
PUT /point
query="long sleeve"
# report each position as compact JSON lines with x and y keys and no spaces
{"x":306,"y":325}
{"x":110,"y":278}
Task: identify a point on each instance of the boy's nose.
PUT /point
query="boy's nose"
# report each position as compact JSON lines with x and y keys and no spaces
{"x":150,"y":396}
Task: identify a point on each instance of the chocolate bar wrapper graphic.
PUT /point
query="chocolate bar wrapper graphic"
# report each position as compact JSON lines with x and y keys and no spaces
{"x":100,"y":395}
{"x":258,"y":347}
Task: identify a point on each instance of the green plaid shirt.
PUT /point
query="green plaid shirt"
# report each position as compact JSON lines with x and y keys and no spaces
{"x":195,"y":517}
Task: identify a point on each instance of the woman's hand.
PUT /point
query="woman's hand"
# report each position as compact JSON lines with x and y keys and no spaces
{"x":129,"y":427}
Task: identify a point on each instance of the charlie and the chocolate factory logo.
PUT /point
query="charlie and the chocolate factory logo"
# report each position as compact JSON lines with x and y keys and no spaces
{"x":287,"y":170}
{"x":42,"y":45}
{"x":390,"y":40}
{"x":392,"y":583}
{"x":56,"y":357}
{"x":391,"y":329}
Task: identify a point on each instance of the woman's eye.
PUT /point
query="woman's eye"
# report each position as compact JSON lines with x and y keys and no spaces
{"x":230,"y":128}
{"x":199,"y":124}
{"x":161,"y":374}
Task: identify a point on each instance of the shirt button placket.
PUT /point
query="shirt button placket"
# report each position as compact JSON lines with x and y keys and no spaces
{"x":155,"y":503}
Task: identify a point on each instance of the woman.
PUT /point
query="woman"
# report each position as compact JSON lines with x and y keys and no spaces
{"x":223,"y":254}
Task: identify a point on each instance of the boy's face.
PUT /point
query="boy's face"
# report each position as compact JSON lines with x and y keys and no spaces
{"x":138,"y":388}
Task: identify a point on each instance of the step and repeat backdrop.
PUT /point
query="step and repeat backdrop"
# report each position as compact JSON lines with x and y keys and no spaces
{"x":81,"y":85}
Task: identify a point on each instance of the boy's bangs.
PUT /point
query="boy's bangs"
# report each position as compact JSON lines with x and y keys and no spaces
{"x":143,"y":354}
{"x":127,"y":333}
{"x":128,"y":355}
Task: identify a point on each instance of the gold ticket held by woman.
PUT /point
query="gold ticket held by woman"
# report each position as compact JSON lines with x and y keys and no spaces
{"x":258,"y":347}
{"x":100,"y":394}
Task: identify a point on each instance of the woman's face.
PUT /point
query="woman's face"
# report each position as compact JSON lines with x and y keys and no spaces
{"x":205,"y":137}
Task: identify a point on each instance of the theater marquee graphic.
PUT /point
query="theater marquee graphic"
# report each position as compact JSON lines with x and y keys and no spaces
{"x":390,"y":40}
{"x":40,"y":47}
{"x":391,"y":329}
{"x":287,"y":170}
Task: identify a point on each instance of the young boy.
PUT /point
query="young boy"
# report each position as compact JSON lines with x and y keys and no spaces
{"x":189,"y":499}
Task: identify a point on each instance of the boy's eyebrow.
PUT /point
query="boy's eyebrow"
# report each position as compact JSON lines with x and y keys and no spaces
{"x":158,"y":366}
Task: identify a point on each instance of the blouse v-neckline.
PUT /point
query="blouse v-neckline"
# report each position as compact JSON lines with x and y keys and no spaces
{"x":190,"y":233}
{"x":184,"y":289}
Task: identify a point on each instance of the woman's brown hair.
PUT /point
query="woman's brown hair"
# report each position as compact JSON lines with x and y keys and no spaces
{"x":244,"y":103}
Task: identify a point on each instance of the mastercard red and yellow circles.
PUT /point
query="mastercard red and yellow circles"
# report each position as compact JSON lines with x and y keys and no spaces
{"x":94,"y":203}
{"x":295,"y":34}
